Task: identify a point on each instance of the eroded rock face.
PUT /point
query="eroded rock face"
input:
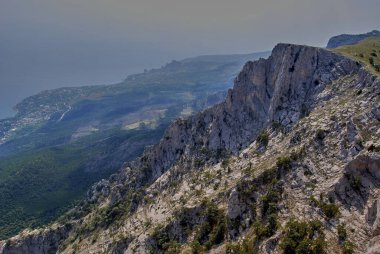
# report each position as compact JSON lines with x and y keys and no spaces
{"x":37,"y":242}
{"x":361,"y":175}
{"x":277,"y":89}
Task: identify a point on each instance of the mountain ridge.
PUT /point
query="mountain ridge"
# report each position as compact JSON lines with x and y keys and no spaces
{"x":64,"y":140}
{"x":350,"y":39}
{"x":287,"y":96}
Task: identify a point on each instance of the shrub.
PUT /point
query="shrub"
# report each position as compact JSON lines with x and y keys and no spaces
{"x":305,"y":111}
{"x":269,"y":175}
{"x":213,"y":229}
{"x":276,"y":125}
{"x":329,"y":209}
{"x":270,"y":202}
{"x":272,"y":224}
{"x":313,"y":201}
{"x":295,"y":155}
{"x":315,"y":227}
{"x":348,"y":248}
{"x":320,"y":135}
{"x":342,"y":233}
{"x":196,"y":247}
{"x":300,"y":237}
{"x":284,"y":162}
{"x":172,"y":247}
{"x":161,"y":237}
{"x":371,"y":61}
{"x":356,"y":183}
{"x":261,"y":232}
{"x":359,"y":142}
{"x":246,"y":247}
{"x":263,"y":138}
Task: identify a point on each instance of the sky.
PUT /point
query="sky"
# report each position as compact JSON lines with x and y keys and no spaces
{"x":46,"y":44}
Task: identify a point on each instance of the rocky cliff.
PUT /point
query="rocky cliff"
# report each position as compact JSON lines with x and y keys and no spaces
{"x":293,"y":148}
{"x":349,"y":39}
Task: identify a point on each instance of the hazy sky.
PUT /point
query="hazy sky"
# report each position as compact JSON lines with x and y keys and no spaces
{"x":52,"y":43}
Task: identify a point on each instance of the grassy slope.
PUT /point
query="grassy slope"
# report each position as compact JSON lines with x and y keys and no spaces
{"x":363,"y":51}
{"x":43,"y":172}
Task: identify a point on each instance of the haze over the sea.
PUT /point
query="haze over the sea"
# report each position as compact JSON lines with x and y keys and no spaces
{"x":47,"y":44}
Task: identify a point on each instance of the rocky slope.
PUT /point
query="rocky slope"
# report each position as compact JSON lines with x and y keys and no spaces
{"x":96,"y":129}
{"x":288,"y":163}
{"x":349,"y":39}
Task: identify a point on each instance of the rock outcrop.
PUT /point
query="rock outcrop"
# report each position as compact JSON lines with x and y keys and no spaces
{"x":36,"y":242}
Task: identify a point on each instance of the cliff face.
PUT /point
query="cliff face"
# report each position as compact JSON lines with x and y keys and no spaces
{"x":211,"y":182}
{"x":38,"y":241}
{"x":280,"y":89}
{"x":349,"y":39}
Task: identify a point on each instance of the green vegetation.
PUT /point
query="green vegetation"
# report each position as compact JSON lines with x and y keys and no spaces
{"x":356,"y":183}
{"x":163,"y":240}
{"x":330,"y":209}
{"x":320,"y":134}
{"x":342,"y":233}
{"x":303,"y":237}
{"x":284,"y":163}
{"x":268,"y":225}
{"x":365,"y":53}
{"x":263,"y":138}
{"x":210,"y":230}
{"x":348,"y":248}
{"x":244,"y":247}
{"x":213,"y":229}
{"x":37,"y":187}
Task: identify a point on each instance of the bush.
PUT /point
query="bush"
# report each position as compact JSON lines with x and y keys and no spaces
{"x":161,"y":237}
{"x":348,"y":248}
{"x":270,"y":202}
{"x":302,"y":237}
{"x":329,"y":209}
{"x":214,"y":227}
{"x":172,"y":247}
{"x":320,"y":135}
{"x":276,"y":125}
{"x":269,"y":175}
{"x":342,"y":233}
{"x":305,"y":111}
{"x":260,"y":230}
{"x":196,"y":247}
{"x":284,"y":162}
{"x":246,"y":247}
{"x":371,"y":61}
{"x":272,"y":224}
{"x":356,"y":183}
{"x":263,"y":138}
